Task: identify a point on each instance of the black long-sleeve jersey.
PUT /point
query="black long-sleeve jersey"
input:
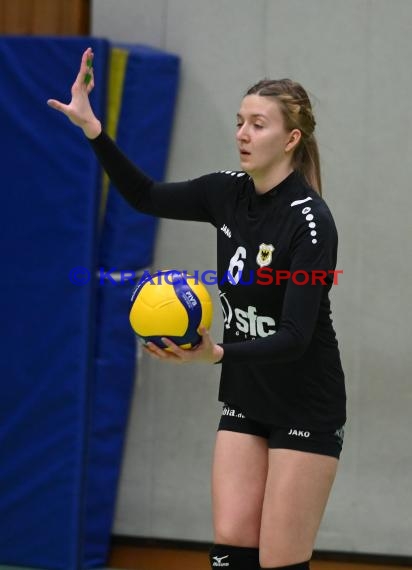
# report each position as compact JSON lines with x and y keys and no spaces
{"x":276,"y":257}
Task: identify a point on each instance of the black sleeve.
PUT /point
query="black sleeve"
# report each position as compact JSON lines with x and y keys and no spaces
{"x":301,"y":304}
{"x":191,"y":200}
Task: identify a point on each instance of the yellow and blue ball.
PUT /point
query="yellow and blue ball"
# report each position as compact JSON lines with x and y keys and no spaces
{"x":170,"y":304}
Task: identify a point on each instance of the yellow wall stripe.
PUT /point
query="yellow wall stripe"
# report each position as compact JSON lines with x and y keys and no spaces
{"x":117,"y":71}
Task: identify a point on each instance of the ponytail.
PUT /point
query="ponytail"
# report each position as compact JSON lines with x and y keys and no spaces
{"x":306,"y":160}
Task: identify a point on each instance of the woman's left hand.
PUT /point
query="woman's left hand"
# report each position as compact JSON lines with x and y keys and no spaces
{"x":205,"y":351}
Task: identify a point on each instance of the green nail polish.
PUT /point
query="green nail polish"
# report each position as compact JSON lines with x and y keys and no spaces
{"x":87,"y":78}
{"x":89,"y":62}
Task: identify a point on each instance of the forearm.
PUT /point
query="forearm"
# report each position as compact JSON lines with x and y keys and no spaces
{"x":177,"y":200}
{"x":279,"y":347}
{"x":128,"y":179}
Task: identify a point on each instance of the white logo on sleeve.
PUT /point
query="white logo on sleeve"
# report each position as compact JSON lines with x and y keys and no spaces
{"x":233,"y":173}
{"x":306,"y":211}
{"x":297,"y":202}
{"x":226,"y":231}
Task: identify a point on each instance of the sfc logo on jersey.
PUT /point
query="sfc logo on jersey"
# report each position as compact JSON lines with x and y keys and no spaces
{"x":264,"y":256}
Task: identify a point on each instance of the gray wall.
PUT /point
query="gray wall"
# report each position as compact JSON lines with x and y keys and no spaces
{"x":354,"y":58}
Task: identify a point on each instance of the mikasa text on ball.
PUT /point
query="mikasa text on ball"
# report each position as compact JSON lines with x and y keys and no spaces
{"x":170,"y":304}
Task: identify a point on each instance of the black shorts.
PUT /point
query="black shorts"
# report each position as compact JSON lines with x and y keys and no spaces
{"x":293,"y":437}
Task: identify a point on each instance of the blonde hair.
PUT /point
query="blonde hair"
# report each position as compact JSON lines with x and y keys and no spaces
{"x":297,"y":113}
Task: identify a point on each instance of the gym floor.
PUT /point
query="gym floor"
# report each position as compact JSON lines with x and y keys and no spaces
{"x":153,"y":558}
{"x":132,"y":557}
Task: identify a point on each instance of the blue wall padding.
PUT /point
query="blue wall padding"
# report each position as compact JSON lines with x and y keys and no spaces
{"x":115,"y":372}
{"x":67,"y":353}
{"x":127,"y":243}
{"x":48,"y":223}
{"x":143,"y":133}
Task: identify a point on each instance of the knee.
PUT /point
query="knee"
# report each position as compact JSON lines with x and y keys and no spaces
{"x":271,"y":561}
{"x":242,"y":535}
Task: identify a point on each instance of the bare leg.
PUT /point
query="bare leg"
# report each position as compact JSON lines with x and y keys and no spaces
{"x":297,"y":490}
{"x":238,"y":487}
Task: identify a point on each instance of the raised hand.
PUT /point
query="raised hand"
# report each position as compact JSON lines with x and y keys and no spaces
{"x":79,"y":110}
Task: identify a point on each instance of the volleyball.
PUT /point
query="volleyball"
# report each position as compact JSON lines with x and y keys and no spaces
{"x":170,"y":304}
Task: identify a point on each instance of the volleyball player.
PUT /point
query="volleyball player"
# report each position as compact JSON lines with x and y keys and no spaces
{"x":282,"y":385}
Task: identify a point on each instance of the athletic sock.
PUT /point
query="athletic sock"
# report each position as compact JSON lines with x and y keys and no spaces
{"x":226,"y":557}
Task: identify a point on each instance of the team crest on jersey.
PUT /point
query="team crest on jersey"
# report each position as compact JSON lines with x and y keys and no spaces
{"x":264,"y":256}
